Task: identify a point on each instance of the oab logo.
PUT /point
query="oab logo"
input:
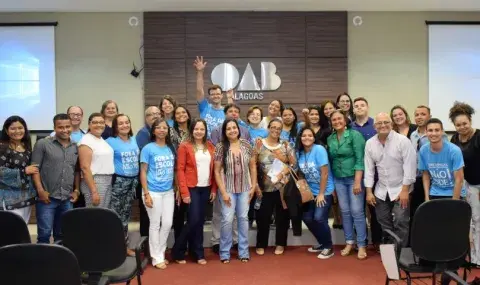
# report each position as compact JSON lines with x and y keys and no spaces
{"x":228,"y":77}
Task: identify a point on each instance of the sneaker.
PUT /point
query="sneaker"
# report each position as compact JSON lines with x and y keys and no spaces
{"x":315,"y":248}
{"x":326,"y":253}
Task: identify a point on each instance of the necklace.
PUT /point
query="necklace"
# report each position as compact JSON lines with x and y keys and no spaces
{"x":16,"y":146}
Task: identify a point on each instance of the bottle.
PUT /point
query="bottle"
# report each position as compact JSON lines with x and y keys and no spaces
{"x":258,"y":203}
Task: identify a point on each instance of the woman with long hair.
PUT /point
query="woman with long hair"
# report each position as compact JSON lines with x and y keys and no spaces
{"x":157,"y":170}
{"x":275,"y":110}
{"x":179,"y":131}
{"x":125,"y":178}
{"x":197,"y":185}
{"x":327,"y":107}
{"x":290,"y":126}
{"x":96,"y":163}
{"x":109,"y":111}
{"x":17,"y":193}
{"x":167,"y":106}
{"x":236,"y":177}
{"x":401,"y":121}
{"x":268,"y":150}
{"x":313,"y":163}
{"x":468,"y":139}
{"x":346,"y":148}
{"x":318,"y":122}
{"x":345,"y":103}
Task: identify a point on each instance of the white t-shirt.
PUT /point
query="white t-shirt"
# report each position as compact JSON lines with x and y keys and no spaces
{"x":203,"y":159}
{"x":264,"y":122}
{"x":102,"y":156}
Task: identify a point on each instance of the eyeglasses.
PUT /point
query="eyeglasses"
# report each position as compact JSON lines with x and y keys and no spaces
{"x":97,"y":122}
{"x":386,"y":123}
{"x":153,"y":114}
{"x":75,"y":115}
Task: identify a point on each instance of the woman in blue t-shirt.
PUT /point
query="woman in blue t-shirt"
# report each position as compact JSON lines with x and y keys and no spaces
{"x":313,"y":164}
{"x":124,"y":180}
{"x":157,"y":176}
{"x":254,"y":118}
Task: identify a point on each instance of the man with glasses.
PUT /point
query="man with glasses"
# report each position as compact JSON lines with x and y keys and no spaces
{"x":75,"y":113}
{"x":394,"y":158}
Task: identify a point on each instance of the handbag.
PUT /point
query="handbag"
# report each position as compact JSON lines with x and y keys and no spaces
{"x":302,"y":185}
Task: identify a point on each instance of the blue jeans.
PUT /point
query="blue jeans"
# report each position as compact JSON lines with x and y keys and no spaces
{"x":239,"y":207}
{"x":192,"y":232}
{"x":316,"y":219}
{"x":352,"y":208}
{"x":49,"y":218}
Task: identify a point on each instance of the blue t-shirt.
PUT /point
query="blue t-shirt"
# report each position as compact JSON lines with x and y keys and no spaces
{"x":161,"y":163}
{"x":170,"y":123}
{"x":213,"y":117}
{"x":367,"y":130}
{"x":125,"y":156}
{"x":310,"y":164}
{"x":441,"y":166}
{"x":256,"y":133}
{"x":285,"y":135}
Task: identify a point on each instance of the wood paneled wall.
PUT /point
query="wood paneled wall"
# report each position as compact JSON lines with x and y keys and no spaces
{"x":308,"y":49}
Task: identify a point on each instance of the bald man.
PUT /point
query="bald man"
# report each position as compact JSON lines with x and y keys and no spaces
{"x":394,"y":158}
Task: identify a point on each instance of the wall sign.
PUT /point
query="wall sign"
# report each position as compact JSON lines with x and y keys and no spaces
{"x":227,"y":76}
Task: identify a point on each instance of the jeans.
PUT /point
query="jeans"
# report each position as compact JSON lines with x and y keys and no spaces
{"x":217,"y":222}
{"x":161,"y":218}
{"x":238,"y":208}
{"x":192,"y":232}
{"x":316,"y":219}
{"x":49,"y":218}
{"x":352,"y":208}
{"x":392,"y":216}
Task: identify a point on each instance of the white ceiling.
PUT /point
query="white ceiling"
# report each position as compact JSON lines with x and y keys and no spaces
{"x":235,"y":5}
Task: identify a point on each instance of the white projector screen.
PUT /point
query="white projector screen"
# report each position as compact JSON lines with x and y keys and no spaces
{"x":454,"y":69}
{"x":27,"y":75}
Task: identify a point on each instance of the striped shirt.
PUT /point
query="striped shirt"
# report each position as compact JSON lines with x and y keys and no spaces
{"x":237,"y":175}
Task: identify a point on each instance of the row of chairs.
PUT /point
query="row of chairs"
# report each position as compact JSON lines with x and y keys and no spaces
{"x":92,"y":251}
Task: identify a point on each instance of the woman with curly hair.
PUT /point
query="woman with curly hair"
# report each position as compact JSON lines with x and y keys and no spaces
{"x":467,"y":138}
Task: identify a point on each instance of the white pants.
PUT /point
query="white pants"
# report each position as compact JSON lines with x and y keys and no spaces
{"x":22,"y":212}
{"x":161,"y":220}
{"x":217,"y":222}
{"x":473,"y":199}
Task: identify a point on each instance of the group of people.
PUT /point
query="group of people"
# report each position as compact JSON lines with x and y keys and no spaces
{"x":177,"y":165}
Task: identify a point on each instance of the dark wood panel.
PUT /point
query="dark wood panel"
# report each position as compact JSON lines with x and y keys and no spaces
{"x":326,"y":78}
{"x":164,"y":76}
{"x":163,"y":36}
{"x":290,"y":70}
{"x":245,"y":35}
{"x":327,"y":34}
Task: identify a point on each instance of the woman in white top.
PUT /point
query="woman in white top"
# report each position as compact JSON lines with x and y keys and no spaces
{"x":275,"y":110}
{"x":96,"y":164}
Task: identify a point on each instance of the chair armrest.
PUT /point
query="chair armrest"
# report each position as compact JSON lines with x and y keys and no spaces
{"x":455,"y":277}
{"x":138,"y":251}
{"x":58,"y":242}
{"x":397,"y":241}
{"x":104,"y":280}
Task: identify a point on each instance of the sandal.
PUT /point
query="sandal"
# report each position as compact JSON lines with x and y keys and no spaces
{"x":162,"y":265}
{"x":362,"y":253}
{"x":346,"y":251}
{"x":279,"y":250}
{"x":245,"y":259}
{"x":202,"y":261}
{"x":130,"y":252}
{"x":260,"y":251}
{"x":183,"y":261}
{"x":225,"y":261}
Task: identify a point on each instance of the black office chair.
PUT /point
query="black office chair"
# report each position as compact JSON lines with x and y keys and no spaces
{"x":95,"y":236}
{"x":27,"y":264}
{"x":14,"y":229}
{"x":439,"y":240}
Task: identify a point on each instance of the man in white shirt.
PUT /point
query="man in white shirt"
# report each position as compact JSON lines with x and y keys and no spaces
{"x":395,"y":160}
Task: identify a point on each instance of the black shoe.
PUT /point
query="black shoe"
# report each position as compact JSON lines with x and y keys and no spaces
{"x":216,"y":248}
{"x":235,"y":247}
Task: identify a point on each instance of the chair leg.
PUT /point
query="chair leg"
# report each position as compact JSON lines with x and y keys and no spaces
{"x":434,"y":279}
{"x":139,"y":279}
{"x":128,"y":282}
{"x":387,"y":281}
{"x":409,"y":279}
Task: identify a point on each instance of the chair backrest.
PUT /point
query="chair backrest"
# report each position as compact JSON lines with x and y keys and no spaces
{"x":27,"y":264}
{"x":96,"y":237}
{"x":14,"y":230}
{"x":440,"y":230}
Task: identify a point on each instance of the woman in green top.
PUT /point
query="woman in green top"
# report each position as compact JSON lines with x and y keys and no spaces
{"x":346,"y":150}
